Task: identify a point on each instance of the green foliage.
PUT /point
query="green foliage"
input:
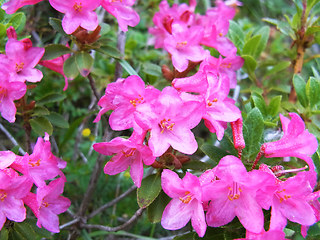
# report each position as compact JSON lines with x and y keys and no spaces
{"x":149,"y":190}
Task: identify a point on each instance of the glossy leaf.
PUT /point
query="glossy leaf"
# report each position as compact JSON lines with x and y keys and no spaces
{"x":70,"y":67}
{"x":51,"y":97}
{"x":274,"y":106}
{"x":156,"y":208}
{"x":41,"y":125}
{"x":84,"y":62}
{"x":149,"y":190}
{"x":57,"y":120}
{"x":313,"y":91}
{"x":53,"y":51}
{"x":300,"y":87}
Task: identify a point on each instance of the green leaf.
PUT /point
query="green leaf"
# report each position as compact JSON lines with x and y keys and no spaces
{"x":313,"y":91}
{"x":18,"y":21}
{"x":251,"y":46}
{"x":41,"y":125}
{"x":213,"y":152}
{"x":264,"y":32}
{"x":283,"y":27}
{"x":156,"y":208}
{"x":57,"y":120}
{"x":25,"y":230}
{"x":196,"y":165}
{"x":56,"y":24}
{"x":253,"y":130}
{"x":300,"y":87}
{"x":128,"y":67}
{"x":84,"y":62}
{"x":258,"y":101}
{"x":70,"y":67}
{"x":278,"y":67}
{"x":3,"y":30}
{"x":41,"y":232}
{"x":50,"y":98}
{"x":110,"y":51}
{"x":53,"y":51}
{"x":4,"y":234}
{"x":40,"y":111}
{"x":274,"y":106}
{"x":312,"y":30}
{"x":236,"y":34}
{"x":186,"y":236}
{"x":149,"y":190}
{"x":152,"y":69}
{"x":250,"y":63}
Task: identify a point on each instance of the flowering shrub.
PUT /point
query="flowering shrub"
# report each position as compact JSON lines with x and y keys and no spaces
{"x":196,"y":122}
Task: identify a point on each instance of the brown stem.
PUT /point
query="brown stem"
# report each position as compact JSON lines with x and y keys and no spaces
{"x":93,"y":87}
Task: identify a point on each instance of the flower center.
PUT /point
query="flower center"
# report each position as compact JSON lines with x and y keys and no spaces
{"x":3,"y":195}
{"x":136,"y":101}
{"x":210,"y":103}
{"x":234,"y":192}
{"x":187,"y":198}
{"x":45,"y":204}
{"x":129,"y":152}
{"x":166,"y":125}
{"x":35,"y":164}
{"x":77,"y":7}
{"x":282,"y":196}
{"x":226,"y":65}
{"x":19,"y":67}
{"x":181,"y":45}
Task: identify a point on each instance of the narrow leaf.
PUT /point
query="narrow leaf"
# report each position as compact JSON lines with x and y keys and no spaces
{"x":57,"y":120}
{"x":50,"y":98}
{"x":300,"y":87}
{"x":41,"y":126}
{"x":53,"y":51}
{"x":149,"y":190}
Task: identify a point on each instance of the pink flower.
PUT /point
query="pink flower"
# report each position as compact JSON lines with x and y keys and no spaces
{"x":295,"y":142}
{"x":6,"y":159}
{"x":234,"y":194}
{"x":57,"y":66}
{"x":47,"y":204}
{"x":123,"y":12}
{"x":131,"y":94}
{"x":77,"y":13}
{"x":184,"y":45}
{"x":12,"y":190}
{"x":23,"y":58}
{"x":186,"y":203}
{"x":41,"y":165}
{"x":13,"y":5}
{"x":129,"y":152}
{"x":9,"y":91}
{"x":270,"y":235}
{"x":170,"y":120}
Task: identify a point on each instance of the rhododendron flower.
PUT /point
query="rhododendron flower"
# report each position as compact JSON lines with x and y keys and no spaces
{"x":186,"y":203}
{"x":170,"y":120}
{"x":6,"y":159}
{"x":23,"y":58}
{"x":132,"y":94}
{"x":77,"y":13}
{"x":183,"y":45}
{"x":13,"y":5}
{"x":123,"y":12}
{"x":41,"y":165}
{"x":234,"y":194}
{"x":295,"y":142}
{"x":129,"y":152}
{"x":12,"y":190}
{"x":270,"y":235}
{"x":47,"y":204}
{"x":9,"y":91}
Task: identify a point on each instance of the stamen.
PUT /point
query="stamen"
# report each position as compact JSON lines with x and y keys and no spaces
{"x":137,"y":101}
{"x":282,"y":197}
{"x":35,"y":164}
{"x":210,"y":103}
{"x":186,"y":199}
{"x":180,"y":45}
{"x":3,"y":195}
{"x":281,"y":172}
{"x":165,"y":124}
{"x":129,"y":153}
{"x":77,"y":7}
{"x":234,"y":192}
{"x":19,"y":67}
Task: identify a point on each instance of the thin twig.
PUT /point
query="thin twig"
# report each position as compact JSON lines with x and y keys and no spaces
{"x":69,"y":223}
{"x":118,"y":228}
{"x":113,"y":202}
{"x":121,"y":47}
{"x":11,"y":138}
{"x":93,"y":87}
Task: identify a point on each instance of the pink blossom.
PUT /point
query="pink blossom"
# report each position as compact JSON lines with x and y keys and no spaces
{"x":123,"y":12}
{"x":12,"y":190}
{"x":270,"y":235}
{"x":184,"y":45}
{"x":23,"y":58}
{"x":47,"y":204}
{"x":13,"y":5}
{"x":186,"y":203}
{"x":234,"y":194}
{"x":57,"y":66}
{"x":129,"y":152}
{"x":170,"y":119}
{"x":9,"y":91}
{"x":77,"y":13}
{"x":41,"y":165}
{"x":6,"y":159}
{"x":295,"y":142}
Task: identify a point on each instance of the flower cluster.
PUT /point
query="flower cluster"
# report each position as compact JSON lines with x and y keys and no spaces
{"x":17,"y":66}
{"x":80,"y":13}
{"x":19,"y":173}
